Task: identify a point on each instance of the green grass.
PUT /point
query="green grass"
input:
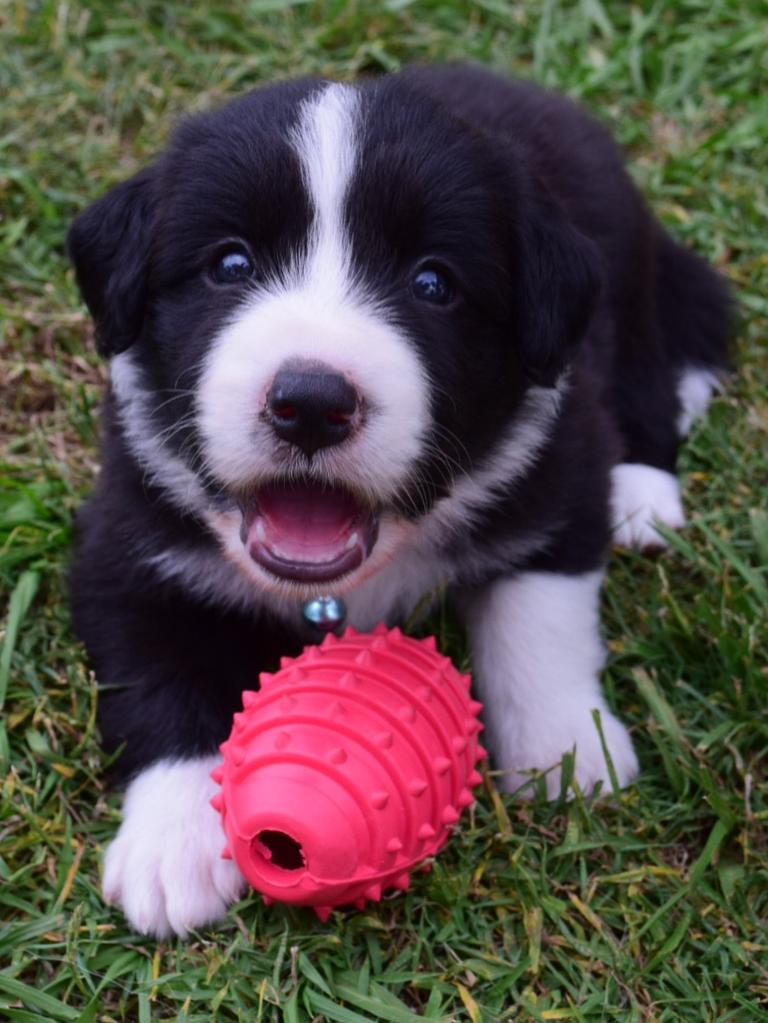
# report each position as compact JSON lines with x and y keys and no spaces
{"x":652,"y":907}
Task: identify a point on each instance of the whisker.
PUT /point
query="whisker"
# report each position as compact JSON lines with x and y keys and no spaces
{"x":175,"y":396}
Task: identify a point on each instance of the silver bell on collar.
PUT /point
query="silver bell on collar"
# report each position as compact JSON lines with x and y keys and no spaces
{"x":325,"y":613}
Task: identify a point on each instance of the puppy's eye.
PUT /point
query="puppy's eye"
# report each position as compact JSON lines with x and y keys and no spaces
{"x":233,"y":267}
{"x":432,"y":285}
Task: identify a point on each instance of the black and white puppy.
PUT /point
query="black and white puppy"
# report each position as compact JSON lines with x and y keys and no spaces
{"x":371,"y":340}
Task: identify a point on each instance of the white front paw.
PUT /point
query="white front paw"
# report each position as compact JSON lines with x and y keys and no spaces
{"x":164,"y":868}
{"x":540,"y":745}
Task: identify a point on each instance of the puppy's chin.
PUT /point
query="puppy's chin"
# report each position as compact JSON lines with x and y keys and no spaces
{"x":385,"y":534}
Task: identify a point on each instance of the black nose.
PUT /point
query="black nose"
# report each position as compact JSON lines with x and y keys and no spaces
{"x":311,"y":409}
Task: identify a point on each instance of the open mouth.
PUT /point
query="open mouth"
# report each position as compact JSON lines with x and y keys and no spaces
{"x":308,"y":532}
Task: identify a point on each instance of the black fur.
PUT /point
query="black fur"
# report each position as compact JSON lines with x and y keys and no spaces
{"x":557,"y":263}
{"x":109,"y":246}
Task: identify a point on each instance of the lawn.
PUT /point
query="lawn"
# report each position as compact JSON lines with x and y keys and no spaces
{"x":650,"y":907}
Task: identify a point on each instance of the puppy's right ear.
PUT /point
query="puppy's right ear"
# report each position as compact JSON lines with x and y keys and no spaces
{"x":558,"y":281}
{"x":109,"y":246}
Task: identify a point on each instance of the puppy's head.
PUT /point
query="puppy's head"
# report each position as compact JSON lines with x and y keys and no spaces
{"x":324,"y":304}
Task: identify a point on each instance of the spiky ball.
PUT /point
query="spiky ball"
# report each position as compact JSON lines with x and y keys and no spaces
{"x":349,"y":767}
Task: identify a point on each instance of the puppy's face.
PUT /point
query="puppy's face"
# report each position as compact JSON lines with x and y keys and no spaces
{"x":324,"y":305}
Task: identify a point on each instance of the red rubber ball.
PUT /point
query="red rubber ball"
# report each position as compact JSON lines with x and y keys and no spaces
{"x":349,"y":767}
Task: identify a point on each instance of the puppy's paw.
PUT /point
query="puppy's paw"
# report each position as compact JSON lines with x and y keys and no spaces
{"x":642,"y":496}
{"x":695,"y":388}
{"x":540,"y":746}
{"x":164,"y":868}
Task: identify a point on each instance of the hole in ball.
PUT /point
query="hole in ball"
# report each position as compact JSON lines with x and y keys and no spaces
{"x":280,"y":850}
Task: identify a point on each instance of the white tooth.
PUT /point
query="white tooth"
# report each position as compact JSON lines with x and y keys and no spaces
{"x":261,"y":533}
{"x":351,"y":542}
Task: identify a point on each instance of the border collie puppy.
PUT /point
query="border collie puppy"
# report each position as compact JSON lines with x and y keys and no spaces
{"x":370,"y":340}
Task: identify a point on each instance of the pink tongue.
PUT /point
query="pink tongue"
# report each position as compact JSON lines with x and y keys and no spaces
{"x":302,"y":519}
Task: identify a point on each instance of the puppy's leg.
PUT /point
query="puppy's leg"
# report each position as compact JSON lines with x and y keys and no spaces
{"x":670,"y":358}
{"x":642,"y":497}
{"x":537,"y":656}
{"x":173,"y":674}
{"x":164,"y":868}
{"x":644,"y":488}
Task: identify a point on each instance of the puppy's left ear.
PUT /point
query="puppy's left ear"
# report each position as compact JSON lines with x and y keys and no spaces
{"x":557,"y":280}
{"x":109,"y":246}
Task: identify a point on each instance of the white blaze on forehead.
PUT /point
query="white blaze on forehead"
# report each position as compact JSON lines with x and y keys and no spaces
{"x":316,"y":311}
{"x":325,"y":142}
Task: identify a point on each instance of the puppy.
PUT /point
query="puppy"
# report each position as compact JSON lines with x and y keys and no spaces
{"x":370,"y":340}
